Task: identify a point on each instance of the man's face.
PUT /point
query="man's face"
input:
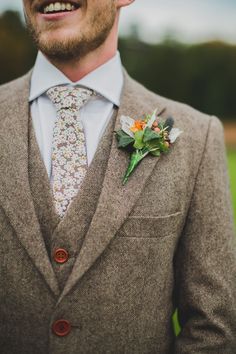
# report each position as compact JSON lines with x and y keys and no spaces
{"x":65,"y":30}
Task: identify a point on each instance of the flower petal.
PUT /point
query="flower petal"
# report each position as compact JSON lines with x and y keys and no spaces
{"x":174,"y":134}
{"x":126,"y":124}
{"x":152,"y":119}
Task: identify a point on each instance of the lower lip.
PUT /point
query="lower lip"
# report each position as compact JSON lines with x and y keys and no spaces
{"x":57,"y":16}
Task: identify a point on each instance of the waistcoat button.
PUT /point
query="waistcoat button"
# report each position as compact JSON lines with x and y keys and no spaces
{"x":61,"y":328}
{"x":61,"y":255}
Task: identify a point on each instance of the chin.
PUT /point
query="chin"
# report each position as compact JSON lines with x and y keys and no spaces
{"x":56,"y":38}
{"x":59,"y":49}
{"x":59,"y":34}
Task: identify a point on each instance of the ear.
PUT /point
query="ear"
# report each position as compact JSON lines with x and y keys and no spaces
{"x":123,"y":3}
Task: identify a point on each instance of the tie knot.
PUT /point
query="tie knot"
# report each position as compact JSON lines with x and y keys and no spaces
{"x":64,"y":97}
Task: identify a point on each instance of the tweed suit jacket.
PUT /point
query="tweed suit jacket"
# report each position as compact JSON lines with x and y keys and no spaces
{"x":164,"y":240}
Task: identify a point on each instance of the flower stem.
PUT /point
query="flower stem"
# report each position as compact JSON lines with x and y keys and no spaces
{"x":135,"y":158}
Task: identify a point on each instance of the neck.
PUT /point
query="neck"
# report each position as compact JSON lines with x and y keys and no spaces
{"x":76,"y":69}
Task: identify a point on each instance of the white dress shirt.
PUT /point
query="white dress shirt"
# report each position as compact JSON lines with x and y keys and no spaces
{"x":106,"y":80}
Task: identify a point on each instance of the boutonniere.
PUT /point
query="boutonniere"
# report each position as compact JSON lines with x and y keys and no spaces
{"x":147,"y":136}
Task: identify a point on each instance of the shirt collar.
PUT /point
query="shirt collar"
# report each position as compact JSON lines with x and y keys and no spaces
{"x":107,"y":79}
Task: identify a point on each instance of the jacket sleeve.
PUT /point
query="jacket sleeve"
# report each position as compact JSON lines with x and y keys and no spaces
{"x":205,"y":261}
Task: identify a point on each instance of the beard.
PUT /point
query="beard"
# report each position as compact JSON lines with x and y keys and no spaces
{"x":90,"y":37}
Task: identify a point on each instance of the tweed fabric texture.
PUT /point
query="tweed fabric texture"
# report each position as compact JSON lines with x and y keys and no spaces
{"x":145,"y":251}
{"x":69,"y":155}
{"x":41,"y":192}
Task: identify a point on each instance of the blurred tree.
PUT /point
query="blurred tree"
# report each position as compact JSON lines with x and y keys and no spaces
{"x":17,"y":53}
{"x":202,"y":75}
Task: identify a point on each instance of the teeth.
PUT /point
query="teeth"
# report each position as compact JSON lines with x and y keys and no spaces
{"x":58,"y":6}
{"x":68,"y":7}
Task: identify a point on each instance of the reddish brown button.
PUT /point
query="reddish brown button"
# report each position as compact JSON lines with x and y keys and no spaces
{"x":61,"y":328}
{"x":61,"y":255}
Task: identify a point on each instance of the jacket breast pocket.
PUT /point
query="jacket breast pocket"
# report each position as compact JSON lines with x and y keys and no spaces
{"x":153,"y":226}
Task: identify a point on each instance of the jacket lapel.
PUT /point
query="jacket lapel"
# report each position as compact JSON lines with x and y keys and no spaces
{"x":116,"y":201}
{"x":15,"y":193}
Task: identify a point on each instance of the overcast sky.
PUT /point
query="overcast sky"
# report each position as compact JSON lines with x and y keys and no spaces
{"x":187,"y":20}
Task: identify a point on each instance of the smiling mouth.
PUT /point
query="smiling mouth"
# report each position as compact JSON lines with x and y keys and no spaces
{"x":58,"y":7}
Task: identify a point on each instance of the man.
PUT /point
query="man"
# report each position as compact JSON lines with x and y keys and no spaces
{"x":89,"y":265}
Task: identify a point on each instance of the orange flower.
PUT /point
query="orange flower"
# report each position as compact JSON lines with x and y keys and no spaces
{"x":138,"y":125}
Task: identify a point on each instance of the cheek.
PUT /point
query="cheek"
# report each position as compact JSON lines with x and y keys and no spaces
{"x":100,"y":10}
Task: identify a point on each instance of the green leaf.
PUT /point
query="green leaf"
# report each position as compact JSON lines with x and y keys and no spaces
{"x":139,"y":144}
{"x":156,"y":152}
{"x":153,"y":144}
{"x":123,"y":139}
{"x":150,"y":134}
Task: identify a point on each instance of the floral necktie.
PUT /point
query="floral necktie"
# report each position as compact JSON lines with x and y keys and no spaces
{"x":69,"y":155}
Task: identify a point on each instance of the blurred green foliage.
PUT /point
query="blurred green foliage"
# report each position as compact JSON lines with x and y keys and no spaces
{"x":17,"y":53}
{"x":202,"y":75}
